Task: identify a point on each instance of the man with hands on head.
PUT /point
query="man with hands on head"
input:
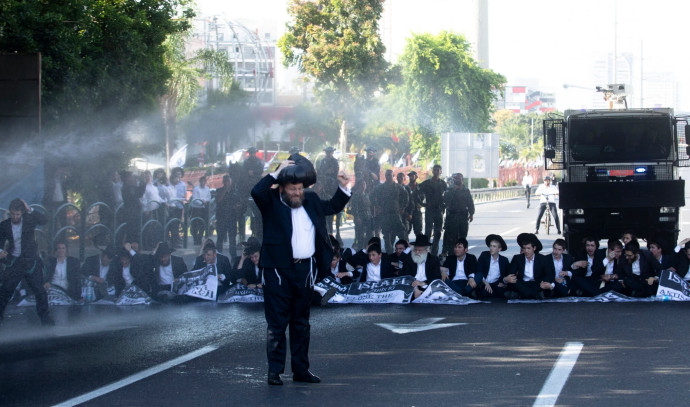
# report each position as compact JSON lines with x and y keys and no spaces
{"x":296,"y":247}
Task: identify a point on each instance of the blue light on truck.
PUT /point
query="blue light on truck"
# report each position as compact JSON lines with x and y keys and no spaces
{"x":640,"y":170}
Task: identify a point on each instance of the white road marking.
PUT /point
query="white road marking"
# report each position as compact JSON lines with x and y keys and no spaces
{"x":137,"y":376}
{"x":559,"y":374}
{"x":507,"y":232}
{"x":418,"y":326}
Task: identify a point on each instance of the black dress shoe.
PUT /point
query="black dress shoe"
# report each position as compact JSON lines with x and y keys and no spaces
{"x":274,"y":379}
{"x":306,"y":377}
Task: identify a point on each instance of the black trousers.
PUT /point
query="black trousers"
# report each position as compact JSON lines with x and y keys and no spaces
{"x":29,"y":270}
{"x":433,"y":221}
{"x":554,"y":212}
{"x":287,"y":296}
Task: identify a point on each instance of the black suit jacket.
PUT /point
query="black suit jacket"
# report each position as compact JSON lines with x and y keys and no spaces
{"x":28,"y":239}
{"x":386,"y":270}
{"x":223,"y":266}
{"x":276,"y":248}
{"x":484,"y":262}
{"x":178,"y":268}
{"x":432,"y":268}
{"x":470,"y":264}
{"x":646,"y":267}
{"x":73,"y":275}
{"x":541,"y":269}
{"x":597,"y":264}
{"x":248,"y":272}
{"x":92,"y":267}
{"x":567,"y":263}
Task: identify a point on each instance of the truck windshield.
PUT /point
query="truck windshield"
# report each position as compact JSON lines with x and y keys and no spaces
{"x":620,"y":139}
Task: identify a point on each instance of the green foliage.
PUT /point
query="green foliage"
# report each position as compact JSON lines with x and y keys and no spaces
{"x":445,"y":88}
{"x":520,"y":135}
{"x":96,"y":54}
{"x":477,"y":183}
{"x":337,"y":43}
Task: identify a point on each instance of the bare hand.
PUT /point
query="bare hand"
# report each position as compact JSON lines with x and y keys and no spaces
{"x":471,"y":218}
{"x":545,"y":285}
{"x":510,"y":279}
{"x":3,"y":254}
{"x":417,"y":283}
{"x":343,"y":179}
{"x":472,"y":283}
{"x":487,"y":287}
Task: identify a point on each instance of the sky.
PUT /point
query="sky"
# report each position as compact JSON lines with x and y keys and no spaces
{"x":538,"y":43}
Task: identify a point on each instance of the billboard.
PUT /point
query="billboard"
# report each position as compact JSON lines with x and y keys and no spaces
{"x":475,"y":155}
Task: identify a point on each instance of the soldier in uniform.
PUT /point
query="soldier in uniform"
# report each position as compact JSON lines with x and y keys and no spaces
{"x":459,"y":212}
{"x":390,"y":200}
{"x":416,"y":202}
{"x":328,"y":178}
{"x":433,"y":190}
{"x":361,"y":212}
{"x":372,"y":166}
{"x":254,"y":168}
{"x":406,"y":213}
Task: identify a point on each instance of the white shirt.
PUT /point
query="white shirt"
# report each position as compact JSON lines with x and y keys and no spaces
{"x":374,"y":272}
{"x":526,"y":180}
{"x":460,"y":269}
{"x":590,"y":260}
{"x":303,"y":234}
{"x":203,"y":194}
{"x":636,"y":267}
{"x":421,"y":272}
{"x":151,"y":198}
{"x":17,"y":237}
{"x":548,"y":194}
{"x":117,"y":192}
{"x":103,"y":272}
{"x":127,"y":275}
{"x":608,"y":266}
{"x":558,"y":265}
{"x":165,"y":275}
{"x":494,"y":270}
{"x":60,"y":276}
{"x":529,"y":270}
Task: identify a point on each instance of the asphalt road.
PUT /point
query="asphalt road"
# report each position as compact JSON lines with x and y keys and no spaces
{"x":488,"y":354}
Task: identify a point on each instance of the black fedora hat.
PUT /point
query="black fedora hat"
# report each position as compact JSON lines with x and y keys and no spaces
{"x":497,"y":238}
{"x":522,"y":238}
{"x":303,"y":171}
{"x":163,"y":249}
{"x":422,"y":240}
{"x":534,"y":240}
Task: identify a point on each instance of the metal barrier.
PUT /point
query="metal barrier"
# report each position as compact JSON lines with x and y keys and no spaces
{"x":497,"y":194}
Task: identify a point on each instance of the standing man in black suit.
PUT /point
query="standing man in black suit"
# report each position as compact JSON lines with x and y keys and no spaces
{"x":295,"y":245}
{"x":22,"y":261}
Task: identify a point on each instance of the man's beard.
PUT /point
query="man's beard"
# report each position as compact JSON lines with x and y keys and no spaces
{"x":294,"y":204}
{"x":419,"y":258}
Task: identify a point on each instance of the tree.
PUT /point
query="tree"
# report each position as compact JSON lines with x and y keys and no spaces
{"x":337,"y":43}
{"x":521,"y":135}
{"x":445,"y":89}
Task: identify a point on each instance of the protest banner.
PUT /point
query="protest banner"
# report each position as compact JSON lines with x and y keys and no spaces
{"x":396,"y":290}
{"x":202,"y":283}
{"x":672,"y":287}
{"x":439,"y":292}
{"x":240,"y":293}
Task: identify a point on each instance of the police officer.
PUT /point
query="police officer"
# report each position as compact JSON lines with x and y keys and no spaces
{"x":459,"y":212}
{"x":253,"y":167}
{"x":390,"y":199}
{"x":406,"y":213}
{"x":416,"y":203}
{"x":433,"y":190}
{"x":328,"y":178}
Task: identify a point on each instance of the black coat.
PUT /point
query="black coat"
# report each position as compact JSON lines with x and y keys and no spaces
{"x":73,"y":275}
{"x":223,"y":266}
{"x":276,"y":248}
{"x":28,"y":239}
{"x":432,"y":268}
{"x":484,"y":262}
{"x":386,"y":270}
{"x":470,"y":264}
{"x":542,"y":270}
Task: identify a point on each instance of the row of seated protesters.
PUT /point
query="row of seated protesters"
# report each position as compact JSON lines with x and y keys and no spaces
{"x":113,"y":270}
{"x":621,"y":267}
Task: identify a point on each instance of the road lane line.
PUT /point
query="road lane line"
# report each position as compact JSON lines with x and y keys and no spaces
{"x":507,"y":232}
{"x":136,"y":377}
{"x":559,"y":374}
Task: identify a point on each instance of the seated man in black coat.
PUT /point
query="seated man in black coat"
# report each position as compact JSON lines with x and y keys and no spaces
{"x":562,"y":264}
{"x":491,"y":267}
{"x":209,"y":256}
{"x":100,"y":270}
{"x":63,"y":271}
{"x":248,"y":270}
{"x":588,"y":268}
{"x":530,"y":275}
{"x":425,"y":267}
{"x":167,"y":269}
{"x":637,"y":271}
{"x":376,"y":268}
{"x":459,"y":268}
{"x":401,"y":256}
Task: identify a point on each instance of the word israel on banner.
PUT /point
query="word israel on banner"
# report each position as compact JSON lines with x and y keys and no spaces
{"x":341,"y":290}
{"x":396,"y":290}
{"x":202,"y":283}
{"x":672,"y":287}
{"x":439,"y":292}
{"x":133,"y":295}
{"x":240,"y":293}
